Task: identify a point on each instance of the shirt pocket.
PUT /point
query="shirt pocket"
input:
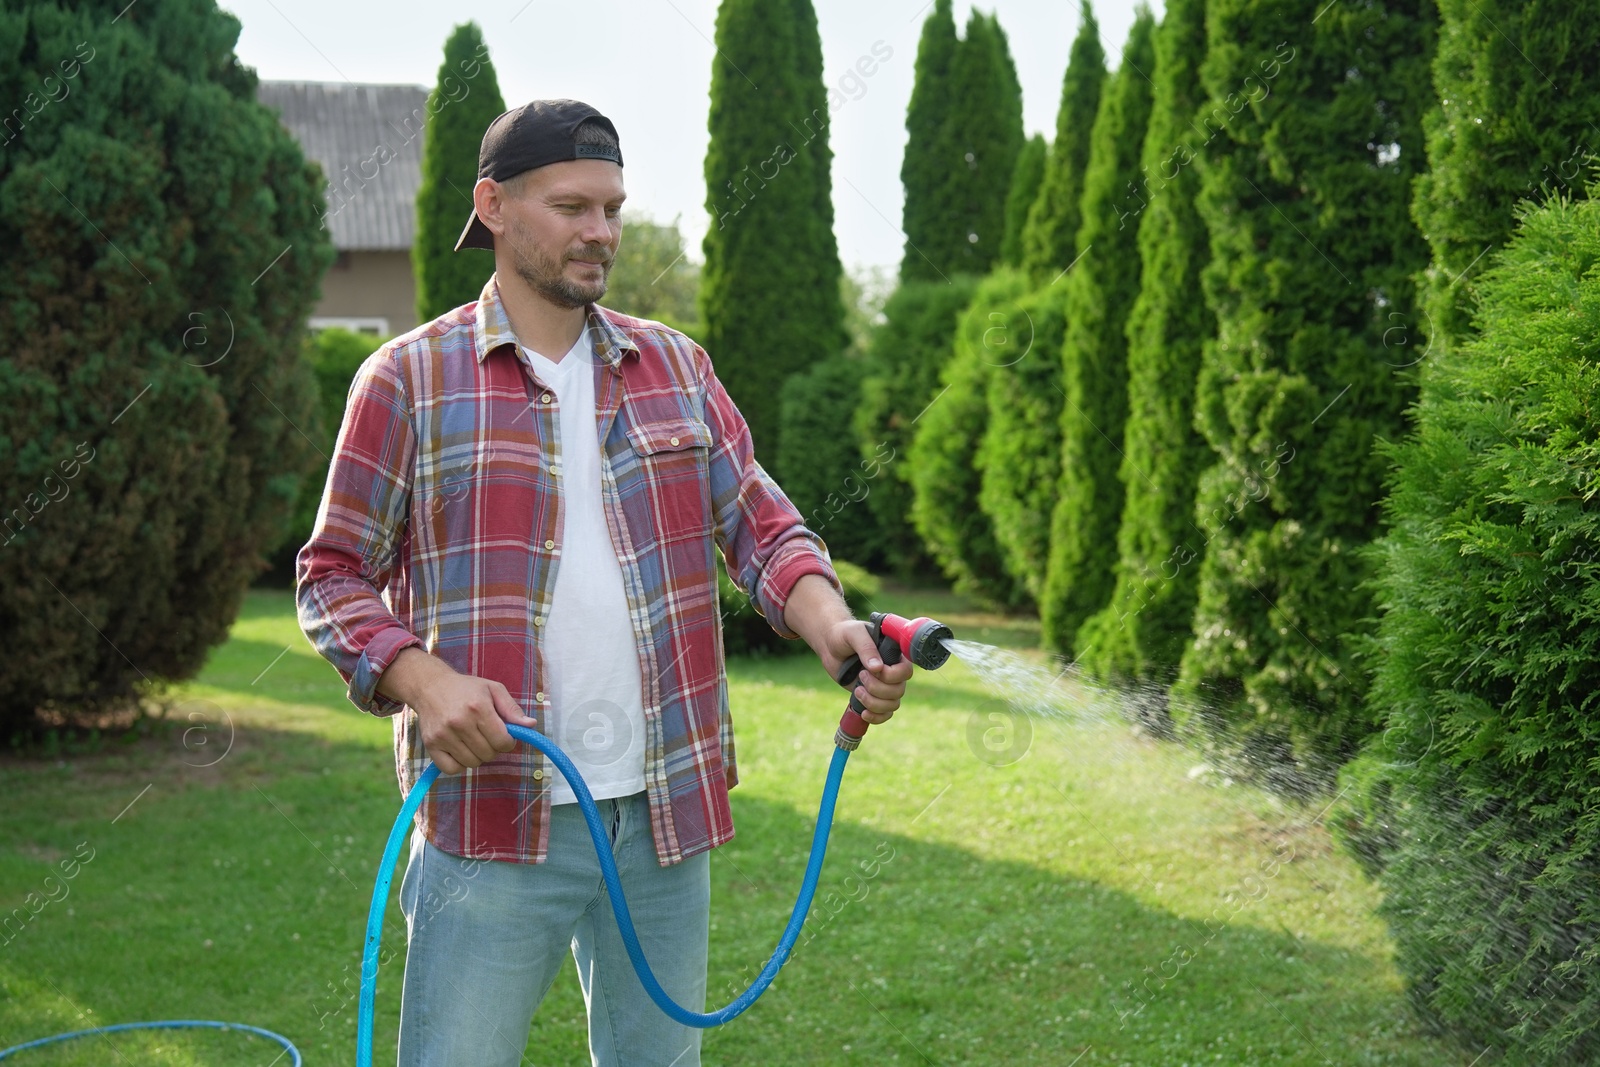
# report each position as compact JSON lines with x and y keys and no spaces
{"x":674,"y":457}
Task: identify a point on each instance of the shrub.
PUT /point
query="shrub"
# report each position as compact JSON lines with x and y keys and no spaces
{"x":1494,"y":58}
{"x":942,"y":463}
{"x":1480,"y":803}
{"x":1141,"y":632}
{"x":820,"y":466}
{"x":334,"y":355}
{"x":1020,"y":457}
{"x":746,"y":632}
{"x":907,"y":352}
{"x":1306,"y":195}
{"x":1094,"y":356}
{"x":161,"y":246}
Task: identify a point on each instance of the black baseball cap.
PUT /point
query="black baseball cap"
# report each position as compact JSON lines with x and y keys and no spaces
{"x":536,"y":134}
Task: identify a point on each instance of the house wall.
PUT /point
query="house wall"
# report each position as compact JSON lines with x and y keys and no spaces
{"x":369,"y":285}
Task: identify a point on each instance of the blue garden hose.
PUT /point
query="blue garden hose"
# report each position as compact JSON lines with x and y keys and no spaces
{"x":608,"y":869}
{"x":171,"y":1024}
{"x":619,"y":905}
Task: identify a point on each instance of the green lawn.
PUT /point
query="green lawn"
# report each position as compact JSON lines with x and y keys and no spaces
{"x":1088,"y":903}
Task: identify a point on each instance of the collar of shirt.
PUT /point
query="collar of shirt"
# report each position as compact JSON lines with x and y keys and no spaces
{"x":611,"y":344}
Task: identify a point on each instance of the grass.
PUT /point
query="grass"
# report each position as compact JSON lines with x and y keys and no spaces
{"x":1088,"y":903}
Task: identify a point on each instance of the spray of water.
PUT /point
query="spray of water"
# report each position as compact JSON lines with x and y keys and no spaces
{"x":1061,"y":693}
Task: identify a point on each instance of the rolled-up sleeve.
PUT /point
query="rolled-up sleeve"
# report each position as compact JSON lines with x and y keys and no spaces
{"x":354,"y":547}
{"x":766,"y":544}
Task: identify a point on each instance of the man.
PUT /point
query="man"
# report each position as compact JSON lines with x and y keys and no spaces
{"x":518,"y":526}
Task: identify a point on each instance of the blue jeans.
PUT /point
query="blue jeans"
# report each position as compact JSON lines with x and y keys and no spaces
{"x":487,"y":939}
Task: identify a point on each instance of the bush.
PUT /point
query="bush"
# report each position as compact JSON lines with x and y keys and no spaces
{"x":821,"y":468}
{"x":1020,"y":457}
{"x":1100,"y":290}
{"x":1306,"y":197}
{"x":334,"y":355}
{"x":746,"y":632}
{"x":1480,"y":803}
{"x":907,"y":353}
{"x":1140,"y":633}
{"x":161,"y":245}
{"x":943,"y":460}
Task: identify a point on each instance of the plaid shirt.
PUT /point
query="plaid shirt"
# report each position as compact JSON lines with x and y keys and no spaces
{"x":440,"y":527}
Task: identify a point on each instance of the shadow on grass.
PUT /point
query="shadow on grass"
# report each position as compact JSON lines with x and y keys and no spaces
{"x":241,"y":895}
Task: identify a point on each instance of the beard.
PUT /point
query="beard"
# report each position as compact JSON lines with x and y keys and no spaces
{"x":546,"y":275}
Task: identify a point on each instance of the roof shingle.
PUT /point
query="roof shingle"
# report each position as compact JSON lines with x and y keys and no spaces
{"x":368,"y":139}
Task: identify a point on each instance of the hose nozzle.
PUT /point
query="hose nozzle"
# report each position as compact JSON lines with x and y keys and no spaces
{"x":919,"y":640}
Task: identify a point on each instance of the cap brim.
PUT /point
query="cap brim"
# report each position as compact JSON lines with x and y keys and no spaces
{"x":476,"y":234}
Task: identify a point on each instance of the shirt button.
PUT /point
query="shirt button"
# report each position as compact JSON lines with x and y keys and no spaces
{"x":547,"y":398}
{"x":539,"y":696}
{"x":549,"y":544}
{"x":538,"y":620}
{"x":674,"y":440}
{"x":555,"y":468}
{"x":538,"y":776}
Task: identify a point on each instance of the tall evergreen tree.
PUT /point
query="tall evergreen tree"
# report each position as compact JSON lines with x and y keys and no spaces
{"x":1501,"y":129}
{"x":1480,"y":801}
{"x":1306,"y":196}
{"x":942,"y":464}
{"x":1020,"y":457}
{"x":161,"y":245}
{"x":904,"y":358}
{"x":1141,"y":632}
{"x":1094,"y":356}
{"x":769,"y":291}
{"x":1025,"y":178}
{"x":1049,"y":240}
{"x":988,"y":120}
{"x":465,"y":99}
{"x":964,"y":128}
{"x":934,"y":187}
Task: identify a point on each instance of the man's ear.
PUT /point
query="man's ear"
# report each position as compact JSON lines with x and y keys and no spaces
{"x":487,"y":197}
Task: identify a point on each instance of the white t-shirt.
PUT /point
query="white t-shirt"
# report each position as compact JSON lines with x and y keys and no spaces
{"x":596,"y":709}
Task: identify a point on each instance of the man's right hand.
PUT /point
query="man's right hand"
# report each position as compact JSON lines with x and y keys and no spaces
{"x":461,"y":717}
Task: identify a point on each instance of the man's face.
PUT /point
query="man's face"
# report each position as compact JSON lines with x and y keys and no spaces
{"x":562,"y":228}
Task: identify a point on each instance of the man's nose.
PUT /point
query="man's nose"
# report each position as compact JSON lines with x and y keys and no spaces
{"x":596,"y":228}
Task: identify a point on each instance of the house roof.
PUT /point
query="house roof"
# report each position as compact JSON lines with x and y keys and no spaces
{"x":368,"y":139}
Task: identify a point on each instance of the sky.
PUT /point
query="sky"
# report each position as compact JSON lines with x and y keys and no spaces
{"x":646,"y":64}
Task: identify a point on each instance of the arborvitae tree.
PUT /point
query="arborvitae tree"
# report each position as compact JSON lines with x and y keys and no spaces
{"x":945,"y":478}
{"x":1500,"y":129}
{"x":1094,"y":357}
{"x":1025,"y":179}
{"x":988,"y":118}
{"x":934,"y":188}
{"x":769,"y":291}
{"x":334,"y":355}
{"x":1481,"y":799}
{"x":161,"y":245}
{"x":1049,"y":239}
{"x":1306,"y":196}
{"x":964,"y":127}
{"x":1020,"y":457}
{"x":652,"y":276}
{"x":901,"y":379}
{"x":464,"y":100}
{"x":821,"y":468}
{"x":1141,"y":632}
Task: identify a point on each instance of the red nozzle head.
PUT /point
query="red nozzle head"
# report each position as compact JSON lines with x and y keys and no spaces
{"x":921,"y":640}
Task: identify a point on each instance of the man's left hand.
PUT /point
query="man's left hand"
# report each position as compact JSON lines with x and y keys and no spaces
{"x":881,"y":685}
